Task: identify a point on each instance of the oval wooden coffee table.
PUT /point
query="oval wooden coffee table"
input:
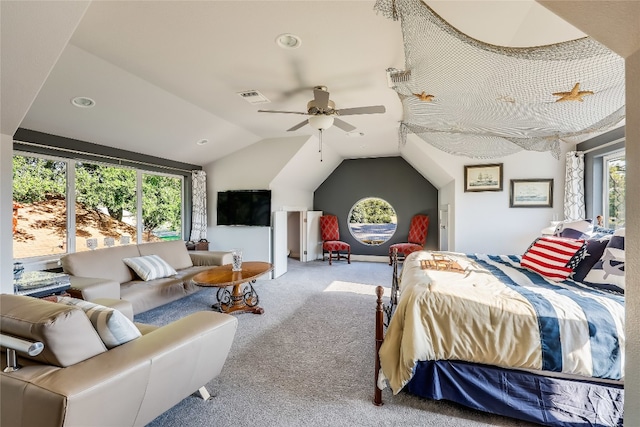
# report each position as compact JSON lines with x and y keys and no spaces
{"x":242,"y":297}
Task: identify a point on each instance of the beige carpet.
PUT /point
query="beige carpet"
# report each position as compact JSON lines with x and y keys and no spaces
{"x":309,"y":359}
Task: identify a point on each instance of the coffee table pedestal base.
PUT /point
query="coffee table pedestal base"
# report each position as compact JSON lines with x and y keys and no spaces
{"x":242,"y":298}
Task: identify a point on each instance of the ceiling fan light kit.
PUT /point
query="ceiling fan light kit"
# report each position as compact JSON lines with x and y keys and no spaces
{"x":323,"y":113}
{"x":321,"y":122}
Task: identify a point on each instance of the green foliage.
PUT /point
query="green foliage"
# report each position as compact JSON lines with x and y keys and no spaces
{"x":36,"y":179}
{"x":161,"y":205}
{"x":106,"y":186}
{"x":617,"y":175}
{"x":372,"y":211}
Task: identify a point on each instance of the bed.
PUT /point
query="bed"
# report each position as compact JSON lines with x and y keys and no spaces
{"x":487,"y":333}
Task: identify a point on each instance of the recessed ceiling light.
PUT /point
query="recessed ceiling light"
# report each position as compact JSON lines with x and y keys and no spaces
{"x":203,"y":142}
{"x":288,"y":41}
{"x":83,"y":102}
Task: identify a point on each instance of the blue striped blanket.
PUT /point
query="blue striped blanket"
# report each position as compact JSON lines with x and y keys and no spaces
{"x":497,"y":313}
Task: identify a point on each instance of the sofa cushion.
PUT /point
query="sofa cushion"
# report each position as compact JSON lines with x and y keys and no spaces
{"x":174,"y":252}
{"x":66,"y":332}
{"x":113,"y":327}
{"x":101,"y":263}
{"x":144,"y":296}
{"x":150,"y":267}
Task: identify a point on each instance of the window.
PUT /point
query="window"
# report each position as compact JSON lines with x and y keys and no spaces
{"x":63,"y":205}
{"x":372,"y":221}
{"x":614,"y":175}
{"x":39,"y":206}
{"x":161,"y":207}
{"x":105,"y":208}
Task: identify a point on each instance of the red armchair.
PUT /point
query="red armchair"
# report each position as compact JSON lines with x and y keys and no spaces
{"x":331,"y":239}
{"x":417,"y":237}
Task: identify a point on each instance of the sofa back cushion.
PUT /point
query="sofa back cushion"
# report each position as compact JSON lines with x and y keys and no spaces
{"x":101,"y":263}
{"x":174,"y":252}
{"x":65,"y":331}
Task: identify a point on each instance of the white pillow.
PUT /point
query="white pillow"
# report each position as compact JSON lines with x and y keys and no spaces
{"x":113,"y":327}
{"x":150,"y":267}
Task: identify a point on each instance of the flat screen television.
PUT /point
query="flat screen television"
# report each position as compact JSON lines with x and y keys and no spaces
{"x":244,"y":207}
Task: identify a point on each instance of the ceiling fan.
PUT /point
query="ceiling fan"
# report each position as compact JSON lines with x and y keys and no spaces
{"x":322,"y":112}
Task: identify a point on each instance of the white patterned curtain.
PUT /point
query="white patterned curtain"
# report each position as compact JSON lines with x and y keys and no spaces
{"x":199,"y":209}
{"x":574,"y":208}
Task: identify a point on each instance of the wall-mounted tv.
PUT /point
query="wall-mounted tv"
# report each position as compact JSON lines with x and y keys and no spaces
{"x":244,"y":207}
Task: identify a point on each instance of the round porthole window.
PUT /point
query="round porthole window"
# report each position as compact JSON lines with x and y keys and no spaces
{"x":372,"y":221}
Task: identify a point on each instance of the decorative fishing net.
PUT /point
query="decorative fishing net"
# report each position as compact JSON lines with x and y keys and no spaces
{"x":479,"y":100}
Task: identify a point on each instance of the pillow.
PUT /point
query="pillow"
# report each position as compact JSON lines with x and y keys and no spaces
{"x":112,"y":326}
{"x":608,"y":272}
{"x":594,"y":250}
{"x":601,"y":232}
{"x":554,"y":257}
{"x":575,"y":229}
{"x":150,"y":267}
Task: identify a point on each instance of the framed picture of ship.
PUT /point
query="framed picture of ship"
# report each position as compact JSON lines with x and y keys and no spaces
{"x":531,"y":193}
{"x":483,"y":177}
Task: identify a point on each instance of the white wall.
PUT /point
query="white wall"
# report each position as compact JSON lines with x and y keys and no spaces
{"x":6,"y":214}
{"x":632,"y":243}
{"x":275,"y":164}
{"x":483,"y":221}
{"x":447,"y":196}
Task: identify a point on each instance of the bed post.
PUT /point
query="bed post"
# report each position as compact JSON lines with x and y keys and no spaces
{"x":377,"y":396}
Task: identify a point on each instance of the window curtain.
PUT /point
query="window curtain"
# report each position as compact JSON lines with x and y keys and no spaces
{"x":574,"y":206}
{"x":199,"y":210}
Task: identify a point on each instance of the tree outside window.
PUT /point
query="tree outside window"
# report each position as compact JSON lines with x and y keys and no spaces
{"x":372,"y":221}
{"x":615,"y":173}
{"x":105,"y":206}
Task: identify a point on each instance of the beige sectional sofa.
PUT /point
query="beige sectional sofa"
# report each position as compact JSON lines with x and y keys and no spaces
{"x":102,"y":273}
{"x":79,"y":380}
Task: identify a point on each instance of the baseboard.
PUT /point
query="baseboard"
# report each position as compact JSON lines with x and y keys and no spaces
{"x":370,"y":258}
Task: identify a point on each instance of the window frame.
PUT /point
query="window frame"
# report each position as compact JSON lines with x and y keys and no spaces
{"x":614,"y":155}
{"x":70,"y":197}
{"x":372,"y":243}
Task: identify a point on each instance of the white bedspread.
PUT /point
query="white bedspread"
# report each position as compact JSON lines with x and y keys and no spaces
{"x":499,"y":314}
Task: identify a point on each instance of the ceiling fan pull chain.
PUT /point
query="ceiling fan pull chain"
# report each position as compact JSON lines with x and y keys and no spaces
{"x":320,"y":147}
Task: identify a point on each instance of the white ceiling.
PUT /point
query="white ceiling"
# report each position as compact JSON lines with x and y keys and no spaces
{"x":165,"y":74}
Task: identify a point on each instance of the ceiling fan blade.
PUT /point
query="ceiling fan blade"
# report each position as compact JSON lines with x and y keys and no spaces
{"x":374,"y":109}
{"x":321,"y":98}
{"x":285,"y":112}
{"x":343,"y":125}
{"x":298,"y":126}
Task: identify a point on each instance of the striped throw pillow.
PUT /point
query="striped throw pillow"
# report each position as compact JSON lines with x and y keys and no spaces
{"x":150,"y":267}
{"x":113,"y":327}
{"x":554,"y":257}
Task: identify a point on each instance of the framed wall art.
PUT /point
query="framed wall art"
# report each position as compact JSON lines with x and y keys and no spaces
{"x":531,"y":193}
{"x":483,"y":177}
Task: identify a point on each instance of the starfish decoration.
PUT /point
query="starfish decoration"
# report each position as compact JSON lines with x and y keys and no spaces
{"x":575,"y":95}
{"x":424,"y":97}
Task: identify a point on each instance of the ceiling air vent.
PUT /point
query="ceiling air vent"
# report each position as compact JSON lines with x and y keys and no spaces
{"x":395,"y":76}
{"x":253,"y":97}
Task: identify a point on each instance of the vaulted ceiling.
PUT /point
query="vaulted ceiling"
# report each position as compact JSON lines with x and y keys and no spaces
{"x":166,"y":74}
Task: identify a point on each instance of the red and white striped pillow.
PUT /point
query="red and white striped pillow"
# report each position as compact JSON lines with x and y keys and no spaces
{"x":554,"y":257}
